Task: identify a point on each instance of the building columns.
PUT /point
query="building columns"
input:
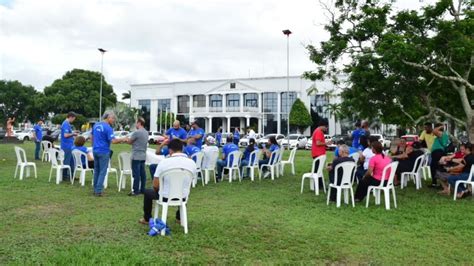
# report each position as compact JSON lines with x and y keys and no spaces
{"x":224,"y":103}
{"x":190,"y":105}
{"x":278,"y":118}
{"x":153,"y":115}
{"x":228,"y":123}
{"x":241,"y":102}
{"x":209,"y":130}
{"x":247,"y":123}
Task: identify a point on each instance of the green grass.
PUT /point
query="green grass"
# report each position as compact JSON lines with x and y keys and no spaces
{"x":240,"y":223}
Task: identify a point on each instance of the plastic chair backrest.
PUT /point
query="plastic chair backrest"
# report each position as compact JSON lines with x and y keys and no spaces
{"x":426,"y":160}
{"x":355,"y":156}
{"x":471,"y":174}
{"x":53,"y":156}
{"x":348,"y":172}
{"x":418,"y":162}
{"x":235,"y":157}
{"x":46,"y":145}
{"x":210,"y":162}
{"x":253,"y":158}
{"x":197,"y":157}
{"x":175,"y":181}
{"x":292,"y":155}
{"x":321,"y":159}
{"x":392,"y":167}
{"x":77,"y":157}
{"x":20,"y":155}
{"x":274,"y":157}
{"x":125,"y":161}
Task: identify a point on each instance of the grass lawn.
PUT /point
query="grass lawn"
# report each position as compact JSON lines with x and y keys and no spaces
{"x":240,"y":223}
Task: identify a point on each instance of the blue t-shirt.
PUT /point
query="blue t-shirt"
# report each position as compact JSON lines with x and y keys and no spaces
{"x":194,"y":132}
{"x":351,"y":151}
{"x":227,"y":149}
{"x":38,"y":132}
{"x":356,"y":134}
{"x":165,"y":151}
{"x":176,"y":133}
{"x":84,"y":150}
{"x":236,"y":135}
{"x":103,"y":134}
{"x":190,"y":150}
{"x":247,"y":153}
{"x":273,"y":148}
{"x":66,"y":143}
{"x":218,"y":138}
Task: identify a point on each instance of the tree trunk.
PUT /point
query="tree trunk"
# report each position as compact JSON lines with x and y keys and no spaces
{"x":470,"y":128}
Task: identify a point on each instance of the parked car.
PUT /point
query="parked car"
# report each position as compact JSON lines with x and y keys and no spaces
{"x":154,"y":137}
{"x":296,"y":140}
{"x":410,"y":139}
{"x":3,"y":133}
{"x":244,"y":142}
{"x":381,"y":138}
{"x":309,"y":144}
{"x":25,"y":135}
{"x":279,"y":138}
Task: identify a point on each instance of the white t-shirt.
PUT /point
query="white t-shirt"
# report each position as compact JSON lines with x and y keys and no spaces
{"x":177,"y":160}
{"x":251,"y":134}
{"x":209,"y":151}
{"x":368,"y":154}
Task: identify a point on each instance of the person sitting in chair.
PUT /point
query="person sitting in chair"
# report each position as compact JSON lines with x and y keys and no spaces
{"x":176,"y":160}
{"x":267,"y":153}
{"x":406,"y":160}
{"x":226,"y":150}
{"x":343,"y":157}
{"x":79,"y":145}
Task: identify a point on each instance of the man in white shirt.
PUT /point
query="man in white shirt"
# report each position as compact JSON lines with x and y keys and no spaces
{"x":177,"y":159}
{"x":251,"y":134}
{"x":209,"y":151}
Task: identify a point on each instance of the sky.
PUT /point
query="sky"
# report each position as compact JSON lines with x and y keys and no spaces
{"x":158,"y":40}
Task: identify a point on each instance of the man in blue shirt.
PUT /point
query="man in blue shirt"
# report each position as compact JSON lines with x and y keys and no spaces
{"x":219,"y":137}
{"x":356,"y":134}
{"x":339,"y":144}
{"x":67,"y":141}
{"x":197,"y":133}
{"x":102,"y":136}
{"x":226,"y":150}
{"x":38,"y":136}
{"x":191,"y":148}
{"x":177,"y":132}
{"x":236,"y":136}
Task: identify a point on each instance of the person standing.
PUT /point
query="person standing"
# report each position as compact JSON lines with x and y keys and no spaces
{"x":67,"y":141}
{"x":38,"y":137}
{"x":365,"y":127}
{"x":438,"y":150}
{"x":236,"y":136}
{"x":356,"y":134}
{"x":427,"y":136}
{"x":251,"y":134}
{"x":102,"y":136}
{"x":197,"y":133}
{"x":319,"y":144}
{"x":139,"y":141}
{"x":219,"y":136}
{"x":176,"y":132}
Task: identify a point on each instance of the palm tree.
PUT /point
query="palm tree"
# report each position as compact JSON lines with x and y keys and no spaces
{"x":334,"y":109}
{"x":127,"y":95}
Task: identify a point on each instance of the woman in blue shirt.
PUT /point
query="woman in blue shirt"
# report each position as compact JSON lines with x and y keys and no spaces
{"x":219,"y":137}
{"x":236,"y":136}
{"x":267,"y":153}
{"x":79,"y":145}
{"x":246,"y":160}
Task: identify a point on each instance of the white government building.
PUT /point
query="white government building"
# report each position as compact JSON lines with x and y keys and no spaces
{"x":260,"y":103}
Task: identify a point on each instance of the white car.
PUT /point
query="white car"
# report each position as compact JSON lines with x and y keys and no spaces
{"x":296,"y":140}
{"x":244,"y":142}
{"x":385,"y":142}
{"x":25,"y":135}
{"x":331,"y":146}
{"x":279,"y":138}
{"x":154,"y":137}
{"x":309,"y":144}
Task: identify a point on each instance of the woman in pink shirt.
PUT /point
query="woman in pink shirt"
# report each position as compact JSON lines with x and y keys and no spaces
{"x":374,"y":174}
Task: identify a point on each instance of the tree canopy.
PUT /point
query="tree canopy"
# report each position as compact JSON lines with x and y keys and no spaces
{"x":299,"y":116}
{"x":78,"y":91}
{"x":401,"y":66}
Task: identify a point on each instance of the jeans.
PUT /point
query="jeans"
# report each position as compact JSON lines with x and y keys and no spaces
{"x":68,"y":160}
{"x":434,"y":165}
{"x":139,"y":176}
{"x":101,"y":163}
{"x":220,"y":166}
{"x":152,"y":170}
{"x":264,"y":161}
{"x":236,"y":142}
{"x":360,"y":172}
{"x":37,"y":150}
{"x":149,"y":196}
{"x":242,"y":164}
{"x":462,"y":176}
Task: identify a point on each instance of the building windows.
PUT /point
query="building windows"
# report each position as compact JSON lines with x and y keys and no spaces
{"x":199,"y":101}
{"x":287,"y":100}
{"x":215,"y":100}
{"x":319,"y":103}
{"x":251,"y":100}
{"x":144,"y":106}
{"x":233,"y":100}
{"x":270,"y":102}
{"x":270,"y":124}
{"x":183,"y":104}
{"x":164,"y":105}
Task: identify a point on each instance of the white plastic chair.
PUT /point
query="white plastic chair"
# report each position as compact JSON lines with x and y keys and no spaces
{"x":210,"y":166}
{"x":414,"y":174}
{"x":197,"y":157}
{"x":315,"y":175}
{"x":272,"y":165}
{"x":425,"y":166}
{"x":175,"y":180}
{"x":290,"y":161}
{"x":279,"y":169}
{"x":77,"y":155}
{"x":252,"y":164}
{"x":58,"y":165}
{"x":45,"y":145}
{"x":348,"y":173}
{"x":22,"y":163}
{"x":355,"y":156}
{"x":234,"y":167}
{"x":125,"y":168}
{"x":110,"y":169}
{"x":469,"y":181}
{"x":386,"y":185}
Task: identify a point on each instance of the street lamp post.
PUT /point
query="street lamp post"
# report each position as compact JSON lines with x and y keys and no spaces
{"x":102,"y":51}
{"x":287,"y":33}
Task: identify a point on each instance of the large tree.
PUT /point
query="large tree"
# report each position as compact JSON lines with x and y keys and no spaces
{"x":401,"y":66}
{"x":78,"y":90}
{"x":20,"y":101}
{"x":299,"y":116}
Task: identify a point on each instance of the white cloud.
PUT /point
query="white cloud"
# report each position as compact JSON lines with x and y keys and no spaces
{"x":150,"y":41}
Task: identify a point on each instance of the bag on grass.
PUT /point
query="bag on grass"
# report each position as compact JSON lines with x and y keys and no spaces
{"x":156,"y":225}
